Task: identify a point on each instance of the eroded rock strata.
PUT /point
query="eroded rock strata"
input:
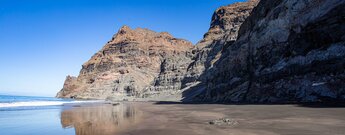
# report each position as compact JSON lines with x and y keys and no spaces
{"x":225,"y":24}
{"x":286,"y":51}
{"x":134,"y":63}
{"x":280,"y":51}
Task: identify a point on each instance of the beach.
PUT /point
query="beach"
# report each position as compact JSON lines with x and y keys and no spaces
{"x":156,"y":118}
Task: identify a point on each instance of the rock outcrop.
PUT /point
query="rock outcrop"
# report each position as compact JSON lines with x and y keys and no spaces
{"x":286,"y":51}
{"x":135,"y":63}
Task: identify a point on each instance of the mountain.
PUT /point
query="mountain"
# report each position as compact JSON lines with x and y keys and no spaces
{"x":281,"y":51}
{"x":134,"y":63}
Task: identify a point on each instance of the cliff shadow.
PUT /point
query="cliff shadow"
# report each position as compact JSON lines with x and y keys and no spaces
{"x":305,"y":105}
{"x":207,"y":58}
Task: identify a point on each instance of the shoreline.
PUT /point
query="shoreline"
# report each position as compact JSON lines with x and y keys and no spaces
{"x":171,"y":118}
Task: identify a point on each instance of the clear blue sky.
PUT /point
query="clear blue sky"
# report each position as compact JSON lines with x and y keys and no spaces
{"x":42,"y":41}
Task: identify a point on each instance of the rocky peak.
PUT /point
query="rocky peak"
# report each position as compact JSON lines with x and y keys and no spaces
{"x":227,"y":20}
{"x":124,"y":29}
{"x":126,"y":35}
{"x":143,"y":40}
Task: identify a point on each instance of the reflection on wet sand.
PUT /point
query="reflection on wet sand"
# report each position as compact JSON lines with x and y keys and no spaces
{"x":103,"y":119}
{"x":147,"y":118}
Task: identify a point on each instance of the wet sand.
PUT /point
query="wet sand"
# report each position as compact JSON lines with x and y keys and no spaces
{"x":145,"y":118}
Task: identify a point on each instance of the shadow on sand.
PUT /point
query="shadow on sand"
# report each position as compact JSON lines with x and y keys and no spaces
{"x":309,"y":105}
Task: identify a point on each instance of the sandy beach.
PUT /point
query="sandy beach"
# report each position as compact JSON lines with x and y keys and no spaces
{"x":148,"y":118}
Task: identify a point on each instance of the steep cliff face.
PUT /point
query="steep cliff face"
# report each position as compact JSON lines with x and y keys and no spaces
{"x":286,"y":51}
{"x":135,"y":63}
{"x":225,"y":24}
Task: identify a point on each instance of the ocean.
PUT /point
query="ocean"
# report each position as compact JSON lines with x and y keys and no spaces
{"x":12,"y":102}
{"x":26,"y":115}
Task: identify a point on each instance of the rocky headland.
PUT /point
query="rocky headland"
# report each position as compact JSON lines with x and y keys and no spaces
{"x":281,"y":51}
{"x":135,"y":63}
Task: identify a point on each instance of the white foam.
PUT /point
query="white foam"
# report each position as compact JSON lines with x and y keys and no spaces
{"x":42,"y":103}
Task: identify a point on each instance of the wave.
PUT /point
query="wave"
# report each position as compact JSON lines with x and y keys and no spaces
{"x":42,"y":103}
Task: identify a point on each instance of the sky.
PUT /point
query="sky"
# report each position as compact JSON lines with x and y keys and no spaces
{"x":43,"y":41}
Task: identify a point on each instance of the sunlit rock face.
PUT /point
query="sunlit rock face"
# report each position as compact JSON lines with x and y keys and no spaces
{"x":136,"y":63}
{"x":286,"y":51}
{"x":100,"y":119}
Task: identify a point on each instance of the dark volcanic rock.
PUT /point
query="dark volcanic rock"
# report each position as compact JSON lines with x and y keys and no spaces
{"x":224,"y":121}
{"x":287,"y":51}
{"x":225,"y":24}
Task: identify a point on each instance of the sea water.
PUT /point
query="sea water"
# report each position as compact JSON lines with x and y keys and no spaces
{"x":25,"y":115}
{"x":8,"y":102}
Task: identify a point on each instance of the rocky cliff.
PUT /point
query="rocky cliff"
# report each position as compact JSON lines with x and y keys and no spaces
{"x":286,"y":51}
{"x":134,"y":63}
{"x":144,"y":64}
{"x":259,"y":52}
{"x":225,"y":24}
